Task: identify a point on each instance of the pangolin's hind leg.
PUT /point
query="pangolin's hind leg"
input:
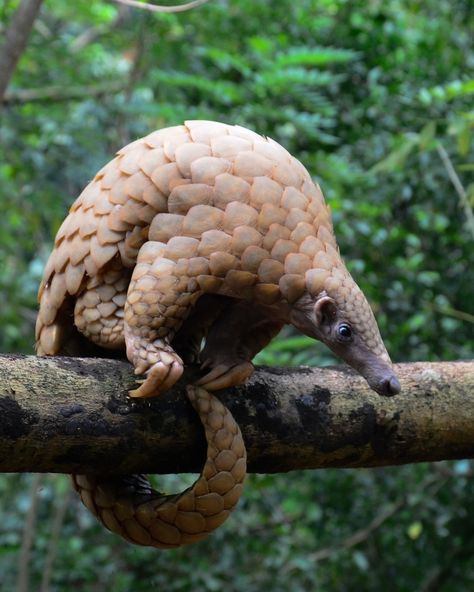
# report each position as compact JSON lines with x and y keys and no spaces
{"x":160,"y":297}
{"x":188,"y":340}
{"x":99,"y":310}
{"x":237,"y":335}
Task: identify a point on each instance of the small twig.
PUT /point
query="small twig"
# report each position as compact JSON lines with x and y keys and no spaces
{"x":160,"y":8}
{"x":61,"y":93}
{"x":92,"y":33}
{"x":451,"y":312}
{"x":136,"y":68}
{"x":27,"y":540}
{"x":58,"y":520}
{"x":359,"y":535}
{"x":133,"y":78}
{"x":42,"y":29}
{"x":441,"y":573}
{"x":363,"y":534}
{"x":458,"y":186}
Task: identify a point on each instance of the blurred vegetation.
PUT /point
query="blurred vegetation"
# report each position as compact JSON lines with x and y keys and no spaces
{"x":376,"y":99}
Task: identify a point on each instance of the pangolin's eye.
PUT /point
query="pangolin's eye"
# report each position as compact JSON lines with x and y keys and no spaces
{"x":344,"y":332}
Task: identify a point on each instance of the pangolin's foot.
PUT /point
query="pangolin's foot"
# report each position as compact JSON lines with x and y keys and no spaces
{"x":159,"y":362}
{"x":225,"y":373}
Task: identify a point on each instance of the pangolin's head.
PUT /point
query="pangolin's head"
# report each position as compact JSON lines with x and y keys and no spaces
{"x":337,"y":313}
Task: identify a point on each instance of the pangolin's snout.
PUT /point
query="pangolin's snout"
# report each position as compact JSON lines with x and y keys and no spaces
{"x":377,"y":371}
{"x":387,"y":386}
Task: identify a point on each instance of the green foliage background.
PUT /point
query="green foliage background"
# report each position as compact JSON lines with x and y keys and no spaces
{"x":369,"y":95}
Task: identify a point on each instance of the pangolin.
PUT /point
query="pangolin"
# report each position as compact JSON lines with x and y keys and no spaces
{"x":200,"y":233}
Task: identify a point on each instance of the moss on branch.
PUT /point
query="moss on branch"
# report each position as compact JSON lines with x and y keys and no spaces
{"x":73,"y":415}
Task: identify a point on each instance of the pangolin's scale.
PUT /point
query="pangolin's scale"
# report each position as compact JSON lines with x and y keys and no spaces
{"x":188,"y":210}
{"x":227,"y":210}
{"x":131,"y":508}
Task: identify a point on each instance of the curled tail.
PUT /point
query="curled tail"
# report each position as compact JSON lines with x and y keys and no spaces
{"x":130,"y":507}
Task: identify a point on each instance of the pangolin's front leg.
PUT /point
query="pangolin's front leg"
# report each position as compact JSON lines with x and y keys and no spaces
{"x":161,"y":295}
{"x":240,"y":331}
{"x":163,"y":291}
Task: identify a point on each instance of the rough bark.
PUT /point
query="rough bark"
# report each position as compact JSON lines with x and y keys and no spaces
{"x":16,"y":38}
{"x":73,"y":415}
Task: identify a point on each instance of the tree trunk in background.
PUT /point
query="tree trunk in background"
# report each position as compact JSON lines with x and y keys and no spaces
{"x":16,"y":38}
{"x":73,"y":415}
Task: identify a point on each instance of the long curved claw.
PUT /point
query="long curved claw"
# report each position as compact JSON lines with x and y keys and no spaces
{"x":160,"y":377}
{"x":225,"y":375}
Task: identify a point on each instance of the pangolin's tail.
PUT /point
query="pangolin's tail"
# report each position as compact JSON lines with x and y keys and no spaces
{"x":130,"y":507}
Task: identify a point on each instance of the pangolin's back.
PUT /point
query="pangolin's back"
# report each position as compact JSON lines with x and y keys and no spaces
{"x":225,"y":185}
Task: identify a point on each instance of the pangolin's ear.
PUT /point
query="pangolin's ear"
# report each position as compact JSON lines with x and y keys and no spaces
{"x":325,"y":310}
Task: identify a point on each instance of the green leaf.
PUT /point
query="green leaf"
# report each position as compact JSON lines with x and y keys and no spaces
{"x":291,"y":344}
{"x":414,"y":530}
{"x":318,"y":56}
{"x":396,"y":159}
{"x":464,"y":140}
{"x":452,"y":90}
{"x":222,"y":91}
{"x":427,"y":135}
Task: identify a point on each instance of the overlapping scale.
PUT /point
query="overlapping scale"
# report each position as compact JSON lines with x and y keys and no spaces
{"x":200,"y":208}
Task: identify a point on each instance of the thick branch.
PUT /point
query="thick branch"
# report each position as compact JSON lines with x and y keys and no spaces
{"x":74,"y":415}
{"x":16,"y":39}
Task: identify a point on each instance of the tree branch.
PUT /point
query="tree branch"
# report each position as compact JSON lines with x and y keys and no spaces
{"x":16,"y":39}
{"x":73,"y":415}
{"x":363,"y":534}
{"x":458,"y":186}
{"x":60,"y":93}
{"x":24,"y":561}
{"x":161,"y":8}
{"x":91,"y":34}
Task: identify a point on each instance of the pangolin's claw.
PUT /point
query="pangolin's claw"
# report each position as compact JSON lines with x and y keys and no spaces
{"x":160,"y":378}
{"x":225,"y":375}
{"x":141,"y":367}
